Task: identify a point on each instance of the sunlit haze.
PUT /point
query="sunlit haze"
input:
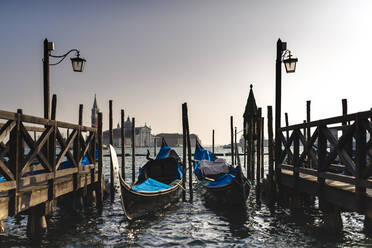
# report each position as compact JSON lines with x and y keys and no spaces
{"x":149,"y":57}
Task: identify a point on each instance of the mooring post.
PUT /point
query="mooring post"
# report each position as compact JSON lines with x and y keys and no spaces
{"x":77,"y":197}
{"x":368,"y":223}
{"x":360,"y":156}
{"x":258,"y":149}
{"x":262,"y":148}
{"x":245,"y":153}
{"x":232,"y":138}
{"x":236,"y":144}
{"x":345,"y":124}
{"x":52,"y":154}
{"x":36,"y":223}
{"x":286,"y":124}
{"x":213,"y":141}
{"x":112,"y":186}
{"x":100,"y":161}
{"x":188,"y":151}
{"x":272,"y":190}
{"x":155,"y":146}
{"x":184,"y":162}
{"x":133,"y":150}
{"x":122,"y":145}
{"x":2,"y":226}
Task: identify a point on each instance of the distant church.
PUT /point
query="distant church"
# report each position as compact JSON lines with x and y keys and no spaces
{"x":95,"y":111}
{"x":143,"y":134}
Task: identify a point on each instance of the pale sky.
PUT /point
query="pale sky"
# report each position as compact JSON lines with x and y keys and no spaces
{"x":151,"y":56}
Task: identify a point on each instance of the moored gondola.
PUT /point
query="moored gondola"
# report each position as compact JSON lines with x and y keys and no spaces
{"x":157,"y":187}
{"x":222,"y":184}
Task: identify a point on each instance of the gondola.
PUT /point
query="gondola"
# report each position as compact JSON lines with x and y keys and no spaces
{"x":157,"y":187}
{"x":221,"y":184}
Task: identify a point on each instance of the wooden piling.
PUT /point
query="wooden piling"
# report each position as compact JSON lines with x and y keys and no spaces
{"x":213,"y":141}
{"x":112,"y":186}
{"x":36,"y":223}
{"x":122,"y":145}
{"x":348,"y":146}
{"x":100,"y":161}
{"x":236,"y":144}
{"x":286,"y":124}
{"x":155,"y":146}
{"x":188,"y":151}
{"x":184,"y":161}
{"x":133,"y":150}
{"x":262,"y":148}
{"x":258,"y":149}
{"x":76,"y":195}
{"x":232,"y":138}
{"x":52,"y":153}
{"x":2,"y":226}
{"x":245,"y":153}
{"x":271,"y":142}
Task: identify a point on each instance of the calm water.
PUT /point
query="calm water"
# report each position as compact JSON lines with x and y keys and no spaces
{"x":187,"y":224}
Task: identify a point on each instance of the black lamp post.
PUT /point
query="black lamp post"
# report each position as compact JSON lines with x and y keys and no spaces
{"x":282,"y":55}
{"x":77,"y":66}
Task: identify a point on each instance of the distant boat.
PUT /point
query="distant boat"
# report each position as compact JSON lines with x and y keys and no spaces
{"x":227,"y":146}
{"x":158,"y":185}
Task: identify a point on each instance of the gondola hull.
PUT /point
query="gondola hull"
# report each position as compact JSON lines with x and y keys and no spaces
{"x":230,"y":195}
{"x":137,"y":204}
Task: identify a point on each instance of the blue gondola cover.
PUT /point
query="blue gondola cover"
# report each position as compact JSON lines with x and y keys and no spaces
{"x":222,"y":180}
{"x":151,"y":185}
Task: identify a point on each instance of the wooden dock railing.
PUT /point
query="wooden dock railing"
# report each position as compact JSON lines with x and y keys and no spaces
{"x":336,"y":153}
{"x":37,"y":169}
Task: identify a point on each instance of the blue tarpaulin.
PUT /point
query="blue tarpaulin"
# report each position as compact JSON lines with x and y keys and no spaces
{"x":151,"y":185}
{"x":202,"y":154}
{"x":222,"y":180}
{"x":2,"y":179}
{"x":164,"y":152}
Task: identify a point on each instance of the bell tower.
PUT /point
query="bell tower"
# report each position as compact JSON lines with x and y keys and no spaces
{"x":95,"y":111}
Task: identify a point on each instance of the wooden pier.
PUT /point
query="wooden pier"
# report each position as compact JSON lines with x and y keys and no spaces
{"x":333,"y":163}
{"x":38,"y":171}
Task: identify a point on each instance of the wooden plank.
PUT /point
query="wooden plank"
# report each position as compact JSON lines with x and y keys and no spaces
{"x":72,"y":126}
{"x":37,"y":120}
{"x":35,"y":179}
{"x":7,"y":173}
{"x":66,"y":172}
{"x":5,"y":129}
{"x":7,"y":115}
{"x":342,"y":197}
{"x":329,"y":121}
{"x":88,"y":129}
{"x":4,"y":207}
{"x":7,"y":185}
{"x":31,"y":196}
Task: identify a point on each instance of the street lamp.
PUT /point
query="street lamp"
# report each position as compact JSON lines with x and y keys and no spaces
{"x":282,"y":55}
{"x":77,"y":65}
{"x":289,"y":62}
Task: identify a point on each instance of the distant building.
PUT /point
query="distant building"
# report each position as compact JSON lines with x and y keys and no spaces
{"x":143,"y":137}
{"x":95,"y":111}
{"x":175,"y":139}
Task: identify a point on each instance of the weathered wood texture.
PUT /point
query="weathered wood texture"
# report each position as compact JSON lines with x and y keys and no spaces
{"x":332,"y":164}
{"x":30,"y":167}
